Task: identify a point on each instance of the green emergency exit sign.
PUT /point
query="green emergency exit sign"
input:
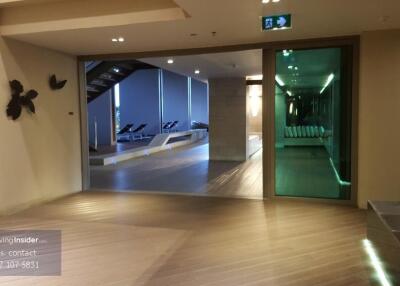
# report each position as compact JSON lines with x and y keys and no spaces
{"x":277,"y":22}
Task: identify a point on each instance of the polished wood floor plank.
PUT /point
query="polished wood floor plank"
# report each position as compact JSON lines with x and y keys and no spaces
{"x":135,"y":239}
{"x":185,"y":170}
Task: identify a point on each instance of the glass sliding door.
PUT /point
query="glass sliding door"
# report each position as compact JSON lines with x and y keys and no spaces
{"x":313,"y":123}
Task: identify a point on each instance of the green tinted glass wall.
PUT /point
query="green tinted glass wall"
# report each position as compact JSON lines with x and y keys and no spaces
{"x":313,"y":137}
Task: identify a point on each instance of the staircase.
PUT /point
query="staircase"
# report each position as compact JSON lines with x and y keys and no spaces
{"x":102,"y":76}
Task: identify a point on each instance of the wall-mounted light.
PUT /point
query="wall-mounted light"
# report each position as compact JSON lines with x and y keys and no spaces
{"x":328,"y":82}
{"x":197,"y":71}
{"x":279,"y":80}
{"x":287,"y":53}
{"x":170,"y":61}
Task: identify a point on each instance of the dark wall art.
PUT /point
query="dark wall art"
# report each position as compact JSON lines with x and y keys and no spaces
{"x":56,"y":85}
{"x":14,"y":107}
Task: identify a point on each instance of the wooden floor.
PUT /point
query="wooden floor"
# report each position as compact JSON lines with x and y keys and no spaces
{"x":135,"y":239}
{"x":185,"y":170}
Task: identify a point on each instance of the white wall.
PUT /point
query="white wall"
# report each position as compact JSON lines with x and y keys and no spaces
{"x":39,"y":154}
{"x":379,"y":117}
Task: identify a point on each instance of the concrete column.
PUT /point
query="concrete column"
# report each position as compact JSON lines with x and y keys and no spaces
{"x":228,"y":119}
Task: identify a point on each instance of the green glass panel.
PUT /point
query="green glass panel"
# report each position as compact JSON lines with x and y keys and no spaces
{"x":312,"y":158}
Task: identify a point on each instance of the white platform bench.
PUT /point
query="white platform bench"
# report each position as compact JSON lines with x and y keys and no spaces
{"x":304,"y":135}
{"x":159,"y":143}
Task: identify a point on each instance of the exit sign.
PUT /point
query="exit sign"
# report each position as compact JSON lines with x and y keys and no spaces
{"x":277,"y":22}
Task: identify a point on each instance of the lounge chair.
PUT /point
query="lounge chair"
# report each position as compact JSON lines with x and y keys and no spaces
{"x":167,"y":125}
{"x":199,"y":125}
{"x":126,"y":129}
{"x":124,"y":134}
{"x":138,"y":132}
{"x":173,"y":125}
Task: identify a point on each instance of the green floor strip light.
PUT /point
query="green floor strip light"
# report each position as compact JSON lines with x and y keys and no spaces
{"x":376,"y":263}
{"x":342,"y":183}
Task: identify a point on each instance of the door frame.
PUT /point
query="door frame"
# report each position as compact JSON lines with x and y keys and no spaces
{"x":269,"y":71}
{"x":84,"y":128}
{"x":268,"y":113}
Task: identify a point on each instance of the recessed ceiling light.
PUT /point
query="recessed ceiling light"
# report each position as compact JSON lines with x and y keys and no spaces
{"x":255,"y":77}
{"x":170,"y":61}
{"x":120,"y":40}
{"x":287,"y":53}
{"x":197,"y":71}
